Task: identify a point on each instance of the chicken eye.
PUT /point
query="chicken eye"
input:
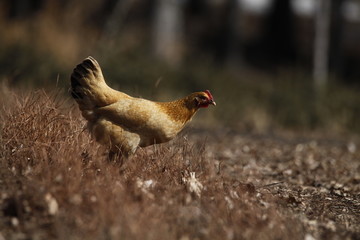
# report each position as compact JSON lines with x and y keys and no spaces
{"x":203,"y":98}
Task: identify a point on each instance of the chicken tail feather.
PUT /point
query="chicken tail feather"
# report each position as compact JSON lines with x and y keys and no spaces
{"x":89,"y":89}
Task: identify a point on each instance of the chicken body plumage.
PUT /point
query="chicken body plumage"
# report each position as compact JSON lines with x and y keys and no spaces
{"x":125,"y":123}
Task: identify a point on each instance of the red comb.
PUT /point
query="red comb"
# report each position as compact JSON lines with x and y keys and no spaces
{"x":209,"y":94}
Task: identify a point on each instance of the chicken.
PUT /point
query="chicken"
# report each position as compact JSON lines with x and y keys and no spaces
{"x":125,"y":123}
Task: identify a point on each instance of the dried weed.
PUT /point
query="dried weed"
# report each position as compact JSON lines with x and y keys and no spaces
{"x":57,"y":183}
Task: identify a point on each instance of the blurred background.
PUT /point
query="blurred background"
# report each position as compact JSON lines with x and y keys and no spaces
{"x":270,"y":64}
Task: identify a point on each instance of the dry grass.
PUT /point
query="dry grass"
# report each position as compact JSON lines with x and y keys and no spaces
{"x":57,"y":184}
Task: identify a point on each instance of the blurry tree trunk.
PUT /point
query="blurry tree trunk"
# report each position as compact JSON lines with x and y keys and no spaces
{"x":168,"y":29}
{"x":336,"y":38}
{"x":321,"y":43}
{"x":115,"y":19}
{"x":114,"y":23}
{"x":278,"y":41}
{"x":233,"y":51}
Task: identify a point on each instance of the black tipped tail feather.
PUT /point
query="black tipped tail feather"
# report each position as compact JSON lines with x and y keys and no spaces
{"x":81,"y":72}
{"x":89,"y":89}
{"x":88,"y":84}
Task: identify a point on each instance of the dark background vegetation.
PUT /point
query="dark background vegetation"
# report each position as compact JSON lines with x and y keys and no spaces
{"x":258,"y":61}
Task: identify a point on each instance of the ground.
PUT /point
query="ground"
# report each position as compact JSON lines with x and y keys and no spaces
{"x":56,"y":182}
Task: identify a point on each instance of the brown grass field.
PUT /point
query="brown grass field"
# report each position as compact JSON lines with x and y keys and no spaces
{"x":56,"y":182}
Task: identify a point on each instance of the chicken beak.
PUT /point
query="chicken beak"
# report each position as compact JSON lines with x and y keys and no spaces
{"x":212,"y":102}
